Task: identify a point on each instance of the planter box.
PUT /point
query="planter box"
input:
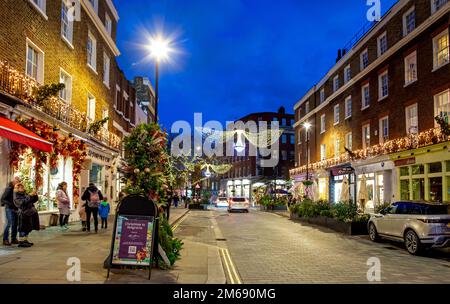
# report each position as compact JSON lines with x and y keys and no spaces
{"x":359,"y":228}
{"x":196,"y":207}
{"x":276,"y":208}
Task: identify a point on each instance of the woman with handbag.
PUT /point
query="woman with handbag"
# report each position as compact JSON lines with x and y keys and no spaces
{"x":63,"y":205}
{"x":28,"y":215}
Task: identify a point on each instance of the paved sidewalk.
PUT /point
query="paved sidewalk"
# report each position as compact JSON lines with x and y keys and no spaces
{"x":46,"y":262}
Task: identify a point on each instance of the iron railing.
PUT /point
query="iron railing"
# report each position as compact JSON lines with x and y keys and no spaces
{"x":24,"y":88}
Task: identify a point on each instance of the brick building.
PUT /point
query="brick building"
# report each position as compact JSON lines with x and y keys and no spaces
{"x":42,"y":44}
{"x":373,"y":113}
{"x":145,"y":95}
{"x":247,"y":173}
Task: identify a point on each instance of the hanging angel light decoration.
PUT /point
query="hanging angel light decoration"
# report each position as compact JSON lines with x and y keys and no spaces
{"x":262,"y":139}
{"x":218,"y":169}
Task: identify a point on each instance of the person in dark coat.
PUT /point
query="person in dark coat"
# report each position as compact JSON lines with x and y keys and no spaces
{"x":93,"y":197}
{"x":28,"y":215}
{"x":12,"y":219}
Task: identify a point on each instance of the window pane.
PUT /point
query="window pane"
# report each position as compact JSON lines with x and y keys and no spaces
{"x":436,"y":189}
{"x":404,"y":190}
{"x":448,"y":166}
{"x":417,"y":170}
{"x":435,"y":168}
{"x":418,"y":190}
{"x":404,"y":171}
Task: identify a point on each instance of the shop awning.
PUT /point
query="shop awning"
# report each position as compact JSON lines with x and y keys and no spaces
{"x":15,"y":132}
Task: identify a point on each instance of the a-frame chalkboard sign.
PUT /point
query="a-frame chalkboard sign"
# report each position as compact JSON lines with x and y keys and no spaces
{"x":134,"y":237}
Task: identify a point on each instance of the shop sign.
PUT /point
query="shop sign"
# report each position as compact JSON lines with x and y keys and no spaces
{"x":99,"y":156}
{"x":405,"y":162}
{"x":341,"y":171}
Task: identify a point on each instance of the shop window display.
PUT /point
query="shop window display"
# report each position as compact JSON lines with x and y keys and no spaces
{"x":436,"y":189}
{"x":370,"y":189}
{"x":380,"y":189}
{"x":96,"y":177}
{"x":50,"y":178}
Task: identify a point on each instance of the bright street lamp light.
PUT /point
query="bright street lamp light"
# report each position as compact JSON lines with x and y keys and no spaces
{"x":159,"y":50}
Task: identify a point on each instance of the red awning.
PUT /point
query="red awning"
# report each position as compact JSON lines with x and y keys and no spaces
{"x":15,"y":132}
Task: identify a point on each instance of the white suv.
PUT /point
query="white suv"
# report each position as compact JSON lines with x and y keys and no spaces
{"x":419,"y":225}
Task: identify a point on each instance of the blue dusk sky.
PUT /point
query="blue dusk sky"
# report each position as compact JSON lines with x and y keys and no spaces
{"x":235,"y":57}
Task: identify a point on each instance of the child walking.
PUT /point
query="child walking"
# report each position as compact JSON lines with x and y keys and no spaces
{"x":83,"y":216}
{"x":103,"y":211}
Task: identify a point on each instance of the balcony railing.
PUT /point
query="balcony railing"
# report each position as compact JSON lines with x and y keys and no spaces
{"x":23,"y":87}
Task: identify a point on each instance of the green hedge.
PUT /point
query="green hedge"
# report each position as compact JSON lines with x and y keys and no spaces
{"x":344,"y":212}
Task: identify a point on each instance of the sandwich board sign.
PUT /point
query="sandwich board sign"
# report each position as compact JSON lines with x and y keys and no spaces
{"x":134,"y":239}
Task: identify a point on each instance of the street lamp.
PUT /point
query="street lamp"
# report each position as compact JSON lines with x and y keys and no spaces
{"x":159,"y":50}
{"x":307,"y":126}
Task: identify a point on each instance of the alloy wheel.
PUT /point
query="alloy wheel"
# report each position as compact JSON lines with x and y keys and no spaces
{"x":412,"y":243}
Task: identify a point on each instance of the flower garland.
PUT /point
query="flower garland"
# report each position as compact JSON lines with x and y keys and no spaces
{"x":65,"y":146}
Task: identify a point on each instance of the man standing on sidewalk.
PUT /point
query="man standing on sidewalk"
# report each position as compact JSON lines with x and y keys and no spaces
{"x":7,"y":201}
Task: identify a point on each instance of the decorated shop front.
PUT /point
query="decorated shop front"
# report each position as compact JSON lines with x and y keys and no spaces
{"x":378,"y":176}
{"x":340,"y":177}
{"x":41,"y":171}
{"x":424,"y":174}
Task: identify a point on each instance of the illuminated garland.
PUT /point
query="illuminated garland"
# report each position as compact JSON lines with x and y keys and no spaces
{"x":27,"y":89}
{"x":423,"y":139}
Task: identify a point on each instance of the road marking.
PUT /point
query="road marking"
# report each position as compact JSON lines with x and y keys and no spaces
{"x":231,"y":269}
{"x":178,"y":223}
{"x":226,"y":265}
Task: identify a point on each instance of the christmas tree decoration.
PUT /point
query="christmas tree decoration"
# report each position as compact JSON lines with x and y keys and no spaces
{"x":146,"y":170}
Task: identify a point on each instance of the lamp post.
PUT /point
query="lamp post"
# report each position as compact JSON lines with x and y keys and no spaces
{"x":307,"y":126}
{"x":159,"y":50}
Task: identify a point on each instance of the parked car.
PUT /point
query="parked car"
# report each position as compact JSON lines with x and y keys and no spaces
{"x":419,"y":225}
{"x":221,"y":202}
{"x":238,"y":204}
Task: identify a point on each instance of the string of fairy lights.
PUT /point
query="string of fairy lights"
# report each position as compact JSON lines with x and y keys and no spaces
{"x":24,"y":87}
{"x":423,"y":139}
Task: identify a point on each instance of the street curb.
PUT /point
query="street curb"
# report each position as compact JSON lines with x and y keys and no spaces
{"x":179,"y":218}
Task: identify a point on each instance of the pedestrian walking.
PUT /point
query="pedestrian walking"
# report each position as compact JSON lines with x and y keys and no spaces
{"x":63,"y":205}
{"x":7,"y":201}
{"x":92,"y":196}
{"x":103,"y":211}
{"x":27,"y":214}
{"x":176,"y":200}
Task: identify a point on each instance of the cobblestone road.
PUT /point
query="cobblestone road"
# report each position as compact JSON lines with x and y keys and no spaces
{"x":267,"y":248}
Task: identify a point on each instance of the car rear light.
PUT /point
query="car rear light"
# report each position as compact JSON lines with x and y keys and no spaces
{"x":434,"y":221}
